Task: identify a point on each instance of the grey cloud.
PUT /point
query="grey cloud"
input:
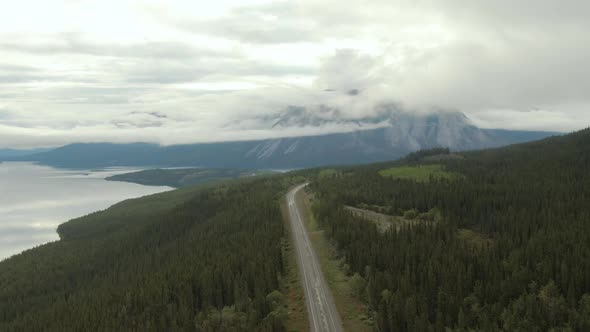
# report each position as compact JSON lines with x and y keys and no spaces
{"x":254,"y":30}
{"x":517,"y":68}
{"x":6,"y":114}
{"x":74,"y":44}
{"x":142,"y":119}
{"x":74,"y":94}
{"x":20,"y":74}
{"x":538,"y":13}
{"x":132,"y":124}
{"x":154,"y":114}
{"x":113,"y":99}
{"x":267,"y":69}
{"x":271,"y":23}
{"x":349,"y":69}
{"x":166,"y":72}
{"x":20,"y":78}
{"x":517,"y":75}
{"x":16,"y":68}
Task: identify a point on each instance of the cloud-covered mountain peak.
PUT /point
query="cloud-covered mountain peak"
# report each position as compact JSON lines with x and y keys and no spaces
{"x":386,"y":115}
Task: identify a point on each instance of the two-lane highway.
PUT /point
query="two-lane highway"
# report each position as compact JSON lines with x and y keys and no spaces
{"x":322,"y":311}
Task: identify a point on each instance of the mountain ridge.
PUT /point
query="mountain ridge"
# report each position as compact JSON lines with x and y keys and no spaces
{"x":405,"y":133}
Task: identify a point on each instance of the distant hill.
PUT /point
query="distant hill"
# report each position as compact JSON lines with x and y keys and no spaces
{"x":11,"y":153}
{"x":401,"y":134}
{"x":183,"y":177}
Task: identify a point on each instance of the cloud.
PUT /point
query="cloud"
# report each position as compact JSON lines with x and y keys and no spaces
{"x":185,"y":72}
{"x":268,"y":23}
{"x":72,"y":43}
{"x":19,"y":74}
{"x":196,"y":70}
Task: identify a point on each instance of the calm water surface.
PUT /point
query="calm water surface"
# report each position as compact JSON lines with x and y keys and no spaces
{"x":35,"y":199}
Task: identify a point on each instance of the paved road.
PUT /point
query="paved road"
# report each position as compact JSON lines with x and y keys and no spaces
{"x":322,"y":311}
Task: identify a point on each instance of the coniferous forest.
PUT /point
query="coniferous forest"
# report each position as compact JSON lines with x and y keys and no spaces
{"x":205,"y":259}
{"x":510,"y":251}
{"x":494,"y":240}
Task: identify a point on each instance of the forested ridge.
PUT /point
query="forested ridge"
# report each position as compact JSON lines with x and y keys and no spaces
{"x":183,"y":177}
{"x":511,"y":252}
{"x":198,"y":259}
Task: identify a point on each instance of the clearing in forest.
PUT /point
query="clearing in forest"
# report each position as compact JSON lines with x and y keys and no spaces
{"x":384,"y":221}
{"x":420,"y":173}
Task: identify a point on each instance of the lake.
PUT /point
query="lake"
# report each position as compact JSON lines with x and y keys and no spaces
{"x":35,"y":199}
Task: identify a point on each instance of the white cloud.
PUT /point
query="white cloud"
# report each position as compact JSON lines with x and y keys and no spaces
{"x":95,"y":71}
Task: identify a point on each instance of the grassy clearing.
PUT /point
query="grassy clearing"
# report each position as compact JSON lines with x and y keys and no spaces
{"x":352,"y":310}
{"x":383,"y":221}
{"x":420,"y":173}
{"x":297,"y":320}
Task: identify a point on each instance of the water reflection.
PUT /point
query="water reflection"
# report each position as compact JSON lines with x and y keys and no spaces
{"x":35,"y":199}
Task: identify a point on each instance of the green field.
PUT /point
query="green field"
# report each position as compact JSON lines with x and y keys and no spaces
{"x":420,"y":173}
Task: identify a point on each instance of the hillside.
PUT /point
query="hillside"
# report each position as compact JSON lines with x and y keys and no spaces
{"x":183,"y":177}
{"x":400,"y":133}
{"x":511,"y":252}
{"x":205,"y":258}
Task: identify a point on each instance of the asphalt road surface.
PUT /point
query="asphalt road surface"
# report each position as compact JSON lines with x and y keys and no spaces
{"x":322,"y":311}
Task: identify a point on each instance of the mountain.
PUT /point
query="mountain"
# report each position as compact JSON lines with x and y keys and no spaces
{"x":299,"y":116}
{"x":399,"y":134}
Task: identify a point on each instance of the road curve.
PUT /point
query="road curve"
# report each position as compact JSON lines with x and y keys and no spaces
{"x":323,"y":315}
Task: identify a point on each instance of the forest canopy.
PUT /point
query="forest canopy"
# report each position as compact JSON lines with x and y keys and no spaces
{"x":202,"y":258}
{"x":511,"y":252}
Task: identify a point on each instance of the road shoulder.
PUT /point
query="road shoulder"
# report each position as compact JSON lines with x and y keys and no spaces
{"x":352,"y":311}
{"x":298,"y":320}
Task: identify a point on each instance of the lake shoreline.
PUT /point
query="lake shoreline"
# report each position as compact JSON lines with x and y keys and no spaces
{"x":36,"y":199}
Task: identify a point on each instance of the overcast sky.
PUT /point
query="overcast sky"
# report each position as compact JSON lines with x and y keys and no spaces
{"x":191,"y":71}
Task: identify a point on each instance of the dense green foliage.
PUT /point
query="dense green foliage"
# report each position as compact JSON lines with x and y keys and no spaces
{"x":182,"y":177}
{"x":512,"y":251}
{"x":204,"y":259}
